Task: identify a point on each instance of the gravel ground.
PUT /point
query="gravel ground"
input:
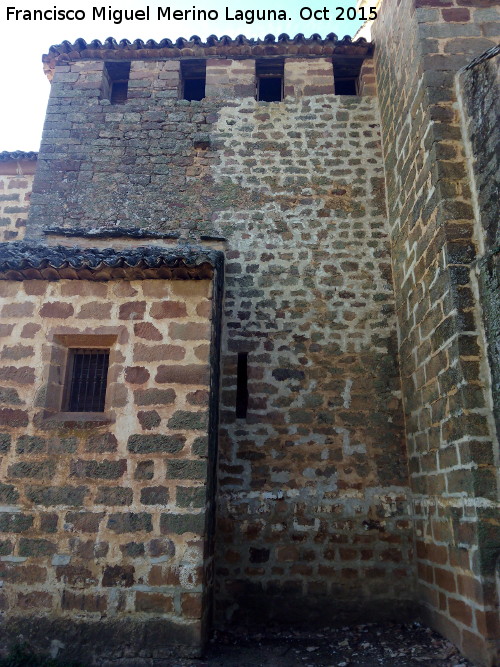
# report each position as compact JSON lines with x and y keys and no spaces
{"x":370,"y":645}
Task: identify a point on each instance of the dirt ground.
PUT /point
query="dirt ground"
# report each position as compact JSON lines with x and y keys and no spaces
{"x":368,"y":645}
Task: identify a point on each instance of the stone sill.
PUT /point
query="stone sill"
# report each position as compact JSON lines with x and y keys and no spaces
{"x":78,"y":420}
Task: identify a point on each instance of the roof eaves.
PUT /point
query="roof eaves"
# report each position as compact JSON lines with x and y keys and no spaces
{"x":29,"y":261}
{"x":214,"y":46}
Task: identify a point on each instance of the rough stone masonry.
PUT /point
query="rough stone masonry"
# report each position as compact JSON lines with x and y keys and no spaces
{"x":339,"y":462}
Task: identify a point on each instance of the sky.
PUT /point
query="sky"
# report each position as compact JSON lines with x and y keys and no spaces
{"x":25,"y":88}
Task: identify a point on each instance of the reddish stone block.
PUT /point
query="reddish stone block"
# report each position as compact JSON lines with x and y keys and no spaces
{"x":163,"y":576}
{"x":204,"y":309}
{"x":147,"y":331}
{"x":118,"y":575}
{"x":6,"y":330}
{"x":162,"y":309}
{"x":13,"y":418}
{"x":148,"y":419}
{"x":474,"y":3}
{"x":95,"y":311}
{"x":425,"y":572}
{"x":188,"y":374}
{"x":202,"y":352}
{"x":470,"y":587}
{"x":189,"y":331}
{"x":123,"y":288}
{"x":432,"y":552}
{"x":34,"y":600}
{"x":156,"y":288}
{"x":191,"y":605}
{"x":445,"y":579}
{"x":133,"y":310}
{"x":83,"y":522}
{"x":473,"y":645}
{"x":433,"y":3}
{"x":136,"y":375}
{"x":391,"y":555}
{"x":154,"y":603}
{"x":23,"y":574}
{"x":486,"y":622}
{"x":83,"y":602}
{"x":158,"y":352}
{"x":16,"y":310}
{"x":84,"y":288}
{"x":35,"y":287}
{"x":288,"y":553}
{"x":460,"y":611}
{"x":16,"y":352}
{"x":198,"y":397}
{"x":57,"y":310}
{"x":30,"y":330}
{"x":76,"y":576}
{"x":456,"y":15}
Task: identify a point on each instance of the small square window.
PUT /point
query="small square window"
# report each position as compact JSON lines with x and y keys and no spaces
{"x":116,"y":77}
{"x":270,"y":77}
{"x":346,"y":74}
{"x":86,"y":379}
{"x":194,"y":78}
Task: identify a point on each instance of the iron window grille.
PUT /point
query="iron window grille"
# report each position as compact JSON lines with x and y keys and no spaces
{"x":87,"y":379}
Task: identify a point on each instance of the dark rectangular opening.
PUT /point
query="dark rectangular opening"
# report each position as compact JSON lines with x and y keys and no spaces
{"x":345,"y":87}
{"x":346,"y":71}
{"x":242,"y":385}
{"x":194,"y":77}
{"x":270,"y":76}
{"x":87,"y":378}
{"x":116,"y":84}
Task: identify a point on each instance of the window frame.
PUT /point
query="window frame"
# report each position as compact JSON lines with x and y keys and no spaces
{"x":116,"y":72}
{"x":193,"y":70}
{"x":57,"y":371}
{"x":269,"y":68}
{"x":69,"y":377}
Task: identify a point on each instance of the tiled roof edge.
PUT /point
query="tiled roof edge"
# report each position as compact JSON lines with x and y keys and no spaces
{"x":18,"y":155}
{"x":194,"y":46}
{"x":113,"y":232}
{"x":22,"y":255}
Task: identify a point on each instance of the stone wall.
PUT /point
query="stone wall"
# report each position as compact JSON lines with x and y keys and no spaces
{"x":313,"y":508}
{"x":447,"y":394}
{"x":479,"y":93}
{"x":103,"y":514}
{"x":16,"y":181}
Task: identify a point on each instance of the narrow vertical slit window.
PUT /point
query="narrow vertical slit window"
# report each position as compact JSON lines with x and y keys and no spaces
{"x":270,"y":76}
{"x":87,"y":379}
{"x":116,"y":77}
{"x":194,"y":77}
{"x":242,"y":385}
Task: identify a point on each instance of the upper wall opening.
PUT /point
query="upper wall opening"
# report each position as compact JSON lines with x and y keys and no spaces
{"x":346,"y":70}
{"x":115,"y":83}
{"x":270,"y":79}
{"x":193,"y":79}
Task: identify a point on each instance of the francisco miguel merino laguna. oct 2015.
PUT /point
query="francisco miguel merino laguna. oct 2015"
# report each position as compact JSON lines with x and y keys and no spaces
{"x":247,"y":16}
